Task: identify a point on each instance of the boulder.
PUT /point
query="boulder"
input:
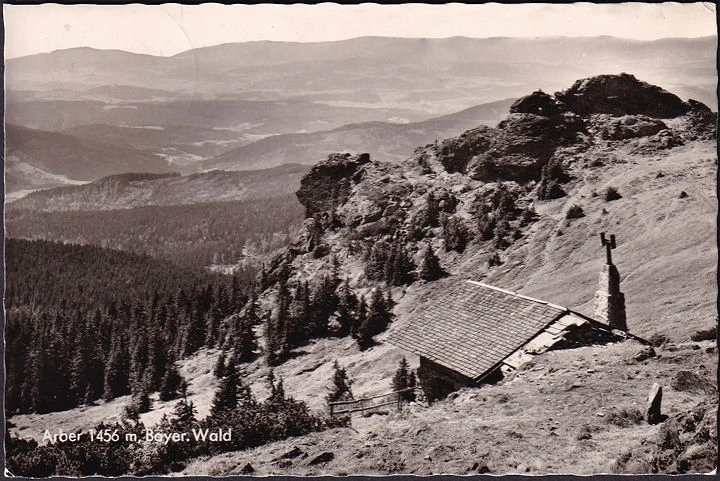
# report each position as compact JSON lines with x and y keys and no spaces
{"x":455,"y":153}
{"x":653,"y":413}
{"x":631,"y":127}
{"x":522,"y":145}
{"x":293,"y":453}
{"x":538,"y":103}
{"x":329,"y":182}
{"x":689,"y":381}
{"x":643,"y":354}
{"x":702,"y":122}
{"x":621,"y":95}
{"x":323,"y":458}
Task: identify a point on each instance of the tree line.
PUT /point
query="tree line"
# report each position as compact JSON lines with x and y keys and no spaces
{"x":189,"y":235}
{"x":85,"y":323}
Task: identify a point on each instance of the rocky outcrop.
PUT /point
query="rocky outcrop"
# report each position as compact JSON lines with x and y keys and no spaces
{"x":524,"y":143}
{"x":631,"y":127}
{"x":455,"y":153}
{"x":538,"y":103}
{"x":653,"y":412}
{"x":329,"y":182}
{"x":701,"y":121}
{"x":621,"y":95}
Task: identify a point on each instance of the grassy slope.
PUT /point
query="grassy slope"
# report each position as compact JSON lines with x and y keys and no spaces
{"x":666,"y":252}
{"x":530,"y":423}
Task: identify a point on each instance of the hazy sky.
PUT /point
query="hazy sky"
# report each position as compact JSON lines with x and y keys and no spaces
{"x":172,"y":28}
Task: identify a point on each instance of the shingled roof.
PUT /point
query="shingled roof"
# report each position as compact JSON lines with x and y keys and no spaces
{"x":475,"y":326}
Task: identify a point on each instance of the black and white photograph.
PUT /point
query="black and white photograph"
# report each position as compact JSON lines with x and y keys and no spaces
{"x":346,"y":240}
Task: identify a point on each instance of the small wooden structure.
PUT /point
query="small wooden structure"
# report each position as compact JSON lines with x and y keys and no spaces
{"x":368,"y":404}
{"x":477,"y":332}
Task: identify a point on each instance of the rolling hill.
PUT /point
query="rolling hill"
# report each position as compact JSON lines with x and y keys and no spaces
{"x":125,"y":191}
{"x":381,"y":140}
{"x":252,"y":117}
{"x":38,"y":159}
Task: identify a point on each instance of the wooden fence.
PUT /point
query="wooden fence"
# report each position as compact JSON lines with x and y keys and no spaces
{"x":368,"y":404}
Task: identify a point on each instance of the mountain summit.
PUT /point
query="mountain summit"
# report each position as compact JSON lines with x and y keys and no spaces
{"x":496,"y":197}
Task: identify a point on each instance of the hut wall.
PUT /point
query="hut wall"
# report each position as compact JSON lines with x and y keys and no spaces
{"x":438,"y":381}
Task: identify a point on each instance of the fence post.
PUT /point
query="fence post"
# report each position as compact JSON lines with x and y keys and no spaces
{"x":331,"y":410}
{"x":362,"y":407}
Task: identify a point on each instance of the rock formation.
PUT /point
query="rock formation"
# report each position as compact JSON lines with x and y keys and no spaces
{"x":653,"y":414}
{"x":538,"y":103}
{"x":621,"y":95}
{"x":328,"y":182}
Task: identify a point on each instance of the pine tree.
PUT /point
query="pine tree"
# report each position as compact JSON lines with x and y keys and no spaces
{"x":276,"y":332}
{"x":375,"y":264}
{"x":272,"y":343}
{"x":346,"y":311}
{"x":299,"y":329}
{"x":398,"y":270}
{"x":404,"y":378}
{"x":141,"y":399}
{"x":277,"y":390}
{"x":157,"y":360}
{"x":196,"y":332}
{"x":246,"y":345}
{"x":359,"y":318}
{"x":378,"y":314}
{"x":389,"y":301}
{"x":138,"y":358}
{"x":235,"y":295}
{"x":430,"y":269}
{"x":42,"y":395}
{"x":400,"y":380}
{"x":219,"y":370}
{"x":324,"y":304}
{"x":116,"y":372}
{"x":226,"y":396}
{"x":171,"y":383}
{"x":432,"y":213}
{"x":78,"y":375}
{"x":340,"y":389}
{"x":455,"y":234}
{"x":184,"y":416}
{"x":212,"y":320}
{"x":251,"y":311}
{"x":377,"y":320}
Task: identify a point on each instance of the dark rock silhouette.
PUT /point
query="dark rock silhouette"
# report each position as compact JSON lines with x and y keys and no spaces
{"x":323,"y":458}
{"x":621,"y":95}
{"x":538,"y":103}
{"x":653,"y":413}
{"x":328,"y":183}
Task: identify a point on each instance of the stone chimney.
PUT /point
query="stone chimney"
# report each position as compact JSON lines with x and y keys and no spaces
{"x":609,"y":301}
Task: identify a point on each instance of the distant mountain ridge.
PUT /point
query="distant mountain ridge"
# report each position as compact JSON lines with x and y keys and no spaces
{"x":42,"y":159}
{"x":459,"y":65}
{"x":381,"y":140}
{"x":126,"y":191}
